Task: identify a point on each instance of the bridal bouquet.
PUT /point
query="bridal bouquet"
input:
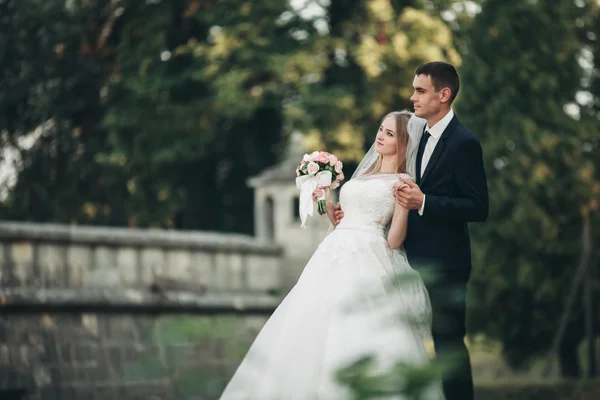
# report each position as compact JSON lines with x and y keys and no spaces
{"x":318,"y":169}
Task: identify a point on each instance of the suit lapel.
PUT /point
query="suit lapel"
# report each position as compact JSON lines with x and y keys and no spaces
{"x":439,"y":149}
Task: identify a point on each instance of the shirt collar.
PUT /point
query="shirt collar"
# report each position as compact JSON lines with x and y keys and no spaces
{"x":439,"y":128}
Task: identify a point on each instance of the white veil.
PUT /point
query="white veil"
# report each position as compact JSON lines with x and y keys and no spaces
{"x":415,"y":130}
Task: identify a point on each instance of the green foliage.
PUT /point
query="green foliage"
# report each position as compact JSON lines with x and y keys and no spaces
{"x":195,"y":108}
{"x":409,"y":381}
{"x":156,"y":112}
{"x":520,"y":72}
{"x":186,"y":353}
{"x":53,"y":61}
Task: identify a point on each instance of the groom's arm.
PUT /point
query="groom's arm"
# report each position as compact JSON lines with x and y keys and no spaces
{"x":472,"y":204}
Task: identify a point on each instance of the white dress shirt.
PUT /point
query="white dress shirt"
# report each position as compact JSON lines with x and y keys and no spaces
{"x":436,"y":133}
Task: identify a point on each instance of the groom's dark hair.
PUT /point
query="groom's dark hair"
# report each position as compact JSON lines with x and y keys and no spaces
{"x":442,"y":75}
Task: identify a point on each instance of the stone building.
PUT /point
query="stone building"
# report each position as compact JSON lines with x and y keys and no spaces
{"x":276,"y":216}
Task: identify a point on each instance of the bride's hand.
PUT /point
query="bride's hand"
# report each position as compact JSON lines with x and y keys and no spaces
{"x":332,"y":209}
{"x":318,"y":192}
{"x":398,"y":186}
{"x":330,"y":205}
{"x":334,"y":212}
{"x":338,"y":214}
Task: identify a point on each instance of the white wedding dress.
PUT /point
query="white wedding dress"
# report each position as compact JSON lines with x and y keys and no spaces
{"x":341,"y":308}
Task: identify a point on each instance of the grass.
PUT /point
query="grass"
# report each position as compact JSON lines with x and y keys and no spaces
{"x":566,"y":390}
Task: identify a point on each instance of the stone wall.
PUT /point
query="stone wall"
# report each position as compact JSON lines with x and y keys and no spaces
{"x":103,"y":313}
{"x":49,"y":354}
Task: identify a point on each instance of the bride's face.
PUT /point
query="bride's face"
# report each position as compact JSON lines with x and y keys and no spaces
{"x":386,"y":140}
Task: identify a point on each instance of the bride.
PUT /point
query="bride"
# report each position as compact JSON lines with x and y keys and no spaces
{"x":342,"y":308}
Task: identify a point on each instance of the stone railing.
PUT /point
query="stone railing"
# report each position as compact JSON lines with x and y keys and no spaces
{"x":48,"y":255}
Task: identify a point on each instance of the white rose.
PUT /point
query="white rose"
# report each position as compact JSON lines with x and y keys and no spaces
{"x":312,"y":168}
{"x":332,"y":160}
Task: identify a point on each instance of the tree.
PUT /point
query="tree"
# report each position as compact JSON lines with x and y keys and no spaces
{"x":157,"y":112}
{"x":195,"y":107}
{"x":590,"y":105}
{"x":55,"y":58}
{"x":520,"y":76}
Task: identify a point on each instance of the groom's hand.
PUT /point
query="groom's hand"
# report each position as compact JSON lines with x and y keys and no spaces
{"x":410,"y":195}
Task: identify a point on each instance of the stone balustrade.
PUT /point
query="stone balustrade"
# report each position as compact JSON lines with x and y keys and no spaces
{"x":50,"y":255}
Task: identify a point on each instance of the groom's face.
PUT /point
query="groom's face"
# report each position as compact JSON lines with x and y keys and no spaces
{"x":426,"y":101}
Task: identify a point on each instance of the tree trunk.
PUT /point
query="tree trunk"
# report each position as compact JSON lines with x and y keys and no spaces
{"x":586,"y":248}
{"x":568,"y":359}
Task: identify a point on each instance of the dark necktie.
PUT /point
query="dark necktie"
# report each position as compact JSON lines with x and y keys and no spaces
{"x":420,"y":152}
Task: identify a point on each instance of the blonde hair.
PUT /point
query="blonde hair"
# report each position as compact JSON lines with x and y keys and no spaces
{"x":401,"y":127}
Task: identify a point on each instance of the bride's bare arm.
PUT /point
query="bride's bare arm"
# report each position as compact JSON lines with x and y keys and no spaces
{"x":397,"y":232}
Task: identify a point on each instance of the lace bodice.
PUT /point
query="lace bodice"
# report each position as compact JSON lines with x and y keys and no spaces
{"x":368,"y":202}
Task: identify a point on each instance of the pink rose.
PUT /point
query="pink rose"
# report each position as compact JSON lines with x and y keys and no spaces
{"x":335,"y":185}
{"x":332,"y":160}
{"x":298,"y":170}
{"x":322,"y":157}
{"x":340,"y":177}
{"x":313,"y":168}
{"x":338,"y":167}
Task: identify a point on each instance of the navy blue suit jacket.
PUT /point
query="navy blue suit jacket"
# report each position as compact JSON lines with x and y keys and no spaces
{"x":456,"y":193}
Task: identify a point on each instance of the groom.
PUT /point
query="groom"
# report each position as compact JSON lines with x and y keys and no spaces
{"x":449,"y":191}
